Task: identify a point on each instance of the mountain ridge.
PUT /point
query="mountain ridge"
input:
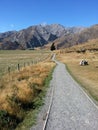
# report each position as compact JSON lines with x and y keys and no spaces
{"x":41,"y":35}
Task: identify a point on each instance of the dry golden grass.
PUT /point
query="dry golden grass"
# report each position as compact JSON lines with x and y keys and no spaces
{"x":20,"y":88}
{"x":11,"y":58}
{"x":90,"y":45}
{"x":86,"y":75}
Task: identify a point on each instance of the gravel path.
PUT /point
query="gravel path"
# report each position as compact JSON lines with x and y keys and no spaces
{"x":71,"y":108}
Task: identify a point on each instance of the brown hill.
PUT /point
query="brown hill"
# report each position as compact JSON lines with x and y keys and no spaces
{"x":34,"y":36}
{"x":78,"y":38}
{"x":40,"y":36}
{"x":90,"y":45}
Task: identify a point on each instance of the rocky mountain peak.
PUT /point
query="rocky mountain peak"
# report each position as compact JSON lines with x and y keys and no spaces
{"x":40,"y":35}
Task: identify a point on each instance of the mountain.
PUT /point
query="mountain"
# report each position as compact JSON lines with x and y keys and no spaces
{"x":34,"y":36}
{"x":41,"y":35}
{"x":79,"y":36}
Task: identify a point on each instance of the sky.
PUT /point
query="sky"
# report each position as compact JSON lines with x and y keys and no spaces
{"x":20,"y":14}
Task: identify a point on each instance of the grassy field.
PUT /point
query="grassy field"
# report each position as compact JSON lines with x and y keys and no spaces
{"x":87,"y":76}
{"x":22,"y":91}
{"x":23,"y":58}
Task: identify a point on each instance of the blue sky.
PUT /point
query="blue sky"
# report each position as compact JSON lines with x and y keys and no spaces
{"x":20,"y":14}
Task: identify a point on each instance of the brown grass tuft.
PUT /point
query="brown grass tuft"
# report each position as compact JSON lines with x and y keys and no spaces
{"x":19,"y":89}
{"x":25,"y":94}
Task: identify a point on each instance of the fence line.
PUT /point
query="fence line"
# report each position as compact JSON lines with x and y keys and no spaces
{"x":12,"y":67}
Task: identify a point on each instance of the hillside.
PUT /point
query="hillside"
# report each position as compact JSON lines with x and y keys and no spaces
{"x":91,"y":46}
{"x":34,"y":36}
{"x":77,"y":38}
{"x":40,"y":36}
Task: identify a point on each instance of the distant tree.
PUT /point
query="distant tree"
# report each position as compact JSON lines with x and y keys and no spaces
{"x":52,"y":47}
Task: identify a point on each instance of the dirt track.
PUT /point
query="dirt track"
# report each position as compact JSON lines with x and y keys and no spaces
{"x":71,"y":108}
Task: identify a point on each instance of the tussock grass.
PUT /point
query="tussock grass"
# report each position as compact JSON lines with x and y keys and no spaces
{"x":91,"y":45}
{"x":21,"y":91}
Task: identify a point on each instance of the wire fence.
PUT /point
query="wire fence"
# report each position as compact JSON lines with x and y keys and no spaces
{"x":11,"y":65}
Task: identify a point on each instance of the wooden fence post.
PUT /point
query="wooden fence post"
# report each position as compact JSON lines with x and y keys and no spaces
{"x":9,"y":69}
{"x":18,"y":67}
